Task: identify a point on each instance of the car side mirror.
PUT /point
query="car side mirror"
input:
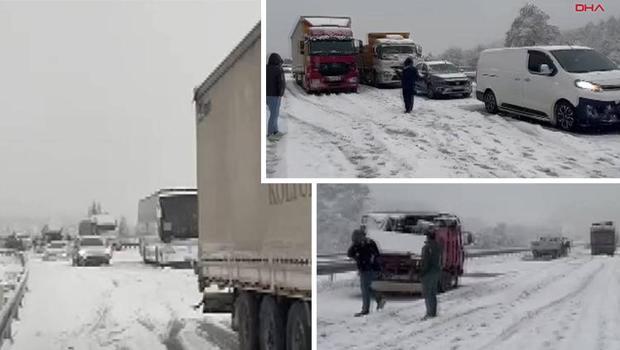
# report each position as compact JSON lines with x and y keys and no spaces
{"x":545,"y":69}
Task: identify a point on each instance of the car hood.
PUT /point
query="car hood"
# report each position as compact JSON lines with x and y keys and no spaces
{"x":602,"y":78}
{"x":450,"y":76}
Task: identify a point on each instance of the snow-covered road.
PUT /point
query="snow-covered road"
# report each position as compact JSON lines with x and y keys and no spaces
{"x":367,"y":135}
{"x":126,"y":305}
{"x":507,"y":302}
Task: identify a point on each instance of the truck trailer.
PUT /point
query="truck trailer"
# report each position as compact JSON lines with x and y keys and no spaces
{"x":603,"y":238}
{"x":400,"y":237}
{"x":382,"y":58}
{"x":254,"y":239}
{"x":324,"y":54}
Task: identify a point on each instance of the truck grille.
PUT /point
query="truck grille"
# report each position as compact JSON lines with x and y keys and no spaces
{"x":332,"y":69}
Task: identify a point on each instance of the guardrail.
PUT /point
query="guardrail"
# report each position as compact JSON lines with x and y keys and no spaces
{"x":339,"y":263}
{"x":10,"y":310}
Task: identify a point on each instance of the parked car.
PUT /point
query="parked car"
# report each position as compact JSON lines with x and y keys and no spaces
{"x":568,"y":86}
{"x":287,"y":67}
{"x":442,"y":78}
{"x":56,"y":250}
{"x":91,"y":250}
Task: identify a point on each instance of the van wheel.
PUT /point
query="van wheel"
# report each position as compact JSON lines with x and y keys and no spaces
{"x":490,"y":102}
{"x":564,"y":116}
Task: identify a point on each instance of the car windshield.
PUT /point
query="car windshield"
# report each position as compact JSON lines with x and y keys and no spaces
{"x":583,"y":61}
{"x":58,"y":245}
{"x":91,"y":242}
{"x":443,"y":68}
{"x":390,"y":50}
{"x":332,"y":47}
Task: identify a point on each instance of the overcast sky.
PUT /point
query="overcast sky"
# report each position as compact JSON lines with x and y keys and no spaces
{"x":570,"y":206}
{"x":436,"y":24}
{"x":96,"y":98}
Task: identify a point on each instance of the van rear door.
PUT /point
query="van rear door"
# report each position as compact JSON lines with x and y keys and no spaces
{"x":538,"y":88}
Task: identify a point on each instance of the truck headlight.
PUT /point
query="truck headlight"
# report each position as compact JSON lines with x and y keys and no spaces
{"x":586,"y":85}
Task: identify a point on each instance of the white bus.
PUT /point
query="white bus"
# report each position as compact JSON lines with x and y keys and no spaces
{"x":168,"y":227}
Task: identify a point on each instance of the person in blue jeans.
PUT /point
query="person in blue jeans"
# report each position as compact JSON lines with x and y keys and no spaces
{"x":275,"y":90}
{"x":366,"y":254}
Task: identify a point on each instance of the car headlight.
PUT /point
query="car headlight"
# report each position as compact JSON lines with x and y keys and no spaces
{"x":82,"y":252}
{"x":586,"y":85}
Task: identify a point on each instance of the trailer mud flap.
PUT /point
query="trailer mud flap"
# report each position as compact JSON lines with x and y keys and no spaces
{"x":217,"y":303}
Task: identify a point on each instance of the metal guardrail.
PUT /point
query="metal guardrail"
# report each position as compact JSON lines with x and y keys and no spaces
{"x":10,"y":310}
{"x":342,"y":264}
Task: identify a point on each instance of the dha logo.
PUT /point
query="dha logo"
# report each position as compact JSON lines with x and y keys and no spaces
{"x":589,"y":7}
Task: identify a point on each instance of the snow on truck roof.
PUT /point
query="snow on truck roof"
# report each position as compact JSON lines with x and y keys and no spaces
{"x":243,"y":46}
{"x":394,"y":39}
{"x":320,"y":21}
{"x":341,"y":33}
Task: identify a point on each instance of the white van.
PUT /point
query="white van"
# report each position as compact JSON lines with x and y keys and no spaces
{"x":569,"y":86}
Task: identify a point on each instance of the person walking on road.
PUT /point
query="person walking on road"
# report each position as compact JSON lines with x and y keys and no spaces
{"x":409,"y":77}
{"x":275,"y":90}
{"x":366,"y":254}
{"x":431,"y":272}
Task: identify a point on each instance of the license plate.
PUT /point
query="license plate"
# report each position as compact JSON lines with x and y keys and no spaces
{"x":333,"y":78}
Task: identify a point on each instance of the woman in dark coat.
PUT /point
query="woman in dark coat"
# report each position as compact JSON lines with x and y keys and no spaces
{"x":275,"y":91}
{"x":410,"y":75}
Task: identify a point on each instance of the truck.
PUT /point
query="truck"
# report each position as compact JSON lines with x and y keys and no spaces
{"x":603,"y":238}
{"x":51,"y":232}
{"x":324,"y":54}
{"x":382,"y":58}
{"x":400,"y":237}
{"x":255,"y":251}
{"x":168,"y":227}
{"x":553,"y":247}
{"x":104,"y":225}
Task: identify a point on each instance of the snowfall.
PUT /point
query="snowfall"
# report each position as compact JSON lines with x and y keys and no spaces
{"x":504,"y":302}
{"x":368,"y":135}
{"x":127,"y":305}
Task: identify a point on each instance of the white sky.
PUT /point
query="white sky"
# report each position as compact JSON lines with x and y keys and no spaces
{"x":571,"y":206}
{"x":96,"y":99}
{"x":434,"y":24}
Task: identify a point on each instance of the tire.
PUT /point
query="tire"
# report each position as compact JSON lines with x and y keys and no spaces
{"x":564,"y":114}
{"x":298,"y":332}
{"x":271,"y":334}
{"x":247,"y":320}
{"x":430,"y":93}
{"x":467,"y":95}
{"x":445,"y":281}
{"x":490,"y":102}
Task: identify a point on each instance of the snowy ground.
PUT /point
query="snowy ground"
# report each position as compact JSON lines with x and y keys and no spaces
{"x":505,"y":302}
{"x":367,"y":135}
{"x":125,"y":306}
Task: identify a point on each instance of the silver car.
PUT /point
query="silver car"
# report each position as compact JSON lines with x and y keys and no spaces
{"x":91,"y":250}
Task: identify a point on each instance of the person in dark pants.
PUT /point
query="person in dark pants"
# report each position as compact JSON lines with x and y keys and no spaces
{"x":366,"y":254}
{"x":275,"y":91}
{"x":431,"y":272}
{"x":409,"y":76}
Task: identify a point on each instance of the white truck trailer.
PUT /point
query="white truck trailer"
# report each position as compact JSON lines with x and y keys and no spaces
{"x":254,"y":239}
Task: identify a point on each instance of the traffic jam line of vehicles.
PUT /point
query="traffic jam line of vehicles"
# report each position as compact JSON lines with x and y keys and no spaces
{"x":567,"y":86}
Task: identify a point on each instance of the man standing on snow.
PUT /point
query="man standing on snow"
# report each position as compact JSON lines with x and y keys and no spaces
{"x":366,"y":254}
{"x":431,"y":271}
{"x":409,"y":76}
{"x":275,"y":90}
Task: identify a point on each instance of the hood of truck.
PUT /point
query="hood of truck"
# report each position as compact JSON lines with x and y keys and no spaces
{"x":398,"y":243}
{"x":601,"y":78}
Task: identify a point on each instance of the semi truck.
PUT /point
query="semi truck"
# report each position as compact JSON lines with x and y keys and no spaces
{"x":324,"y":54}
{"x":382,"y":58}
{"x":553,"y":247}
{"x":400,"y":237}
{"x":103,"y":225}
{"x":168,"y":227}
{"x":254,"y":239}
{"x":603,"y":238}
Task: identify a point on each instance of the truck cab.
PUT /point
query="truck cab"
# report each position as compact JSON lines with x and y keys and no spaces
{"x":382,"y":58}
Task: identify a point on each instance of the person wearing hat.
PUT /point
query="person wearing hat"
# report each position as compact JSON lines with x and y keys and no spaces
{"x":430,"y":272}
{"x":366,"y":254}
{"x":409,"y":76}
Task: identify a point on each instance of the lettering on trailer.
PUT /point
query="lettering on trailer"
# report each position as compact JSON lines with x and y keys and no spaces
{"x":283,"y":193}
{"x":589,"y":7}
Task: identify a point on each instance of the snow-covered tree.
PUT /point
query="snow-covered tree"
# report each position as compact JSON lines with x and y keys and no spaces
{"x":531,"y":27}
{"x":454,"y":55}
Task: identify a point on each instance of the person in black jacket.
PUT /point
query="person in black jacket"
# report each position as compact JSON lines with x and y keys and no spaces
{"x":366,"y":254}
{"x":431,"y":272}
{"x":409,"y":76}
{"x":275,"y":91}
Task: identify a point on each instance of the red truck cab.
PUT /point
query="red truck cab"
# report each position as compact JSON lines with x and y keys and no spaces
{"x":400,"y":238}
{"x":325,"y":54}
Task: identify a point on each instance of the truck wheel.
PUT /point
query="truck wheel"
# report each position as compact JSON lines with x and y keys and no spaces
{"x":445,"y":281}
{"x":271,"y":323}
{"x":298,"y":327}
{"x":247,"y":321}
